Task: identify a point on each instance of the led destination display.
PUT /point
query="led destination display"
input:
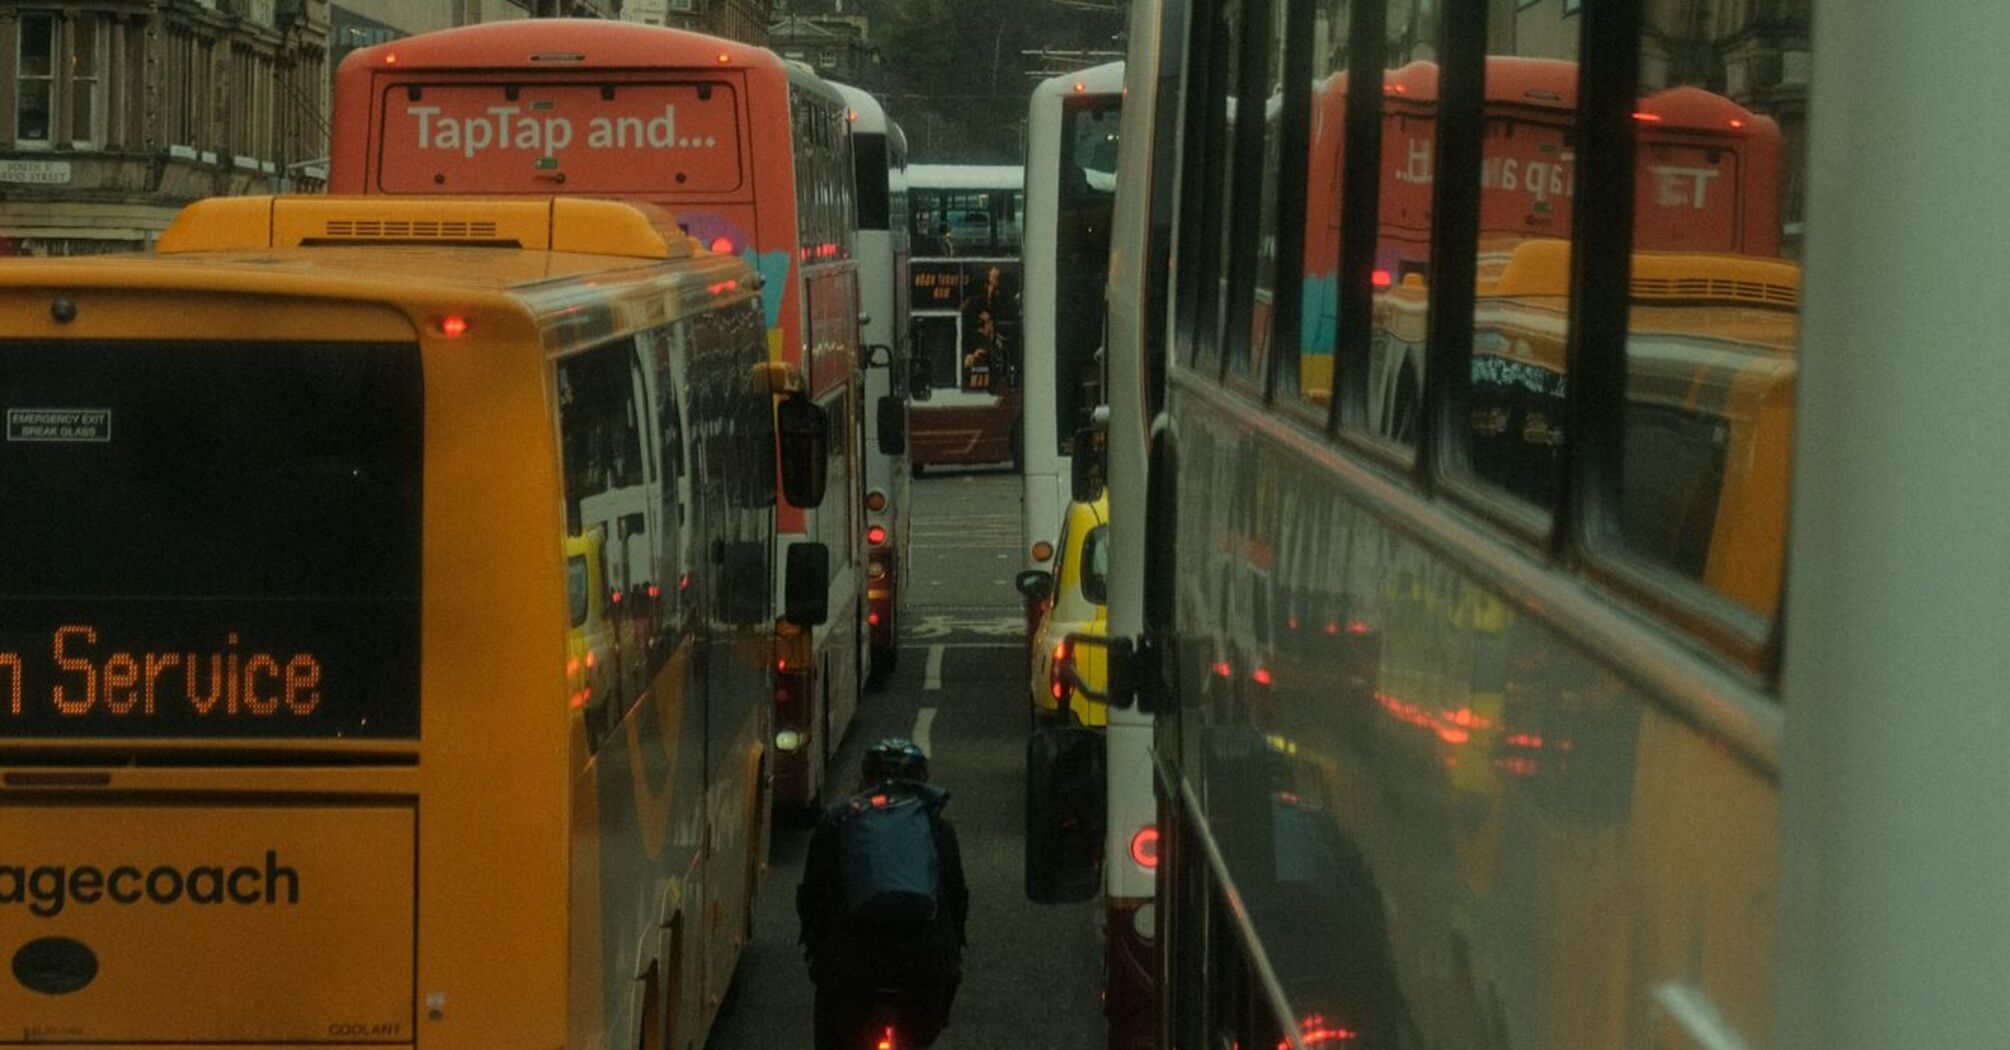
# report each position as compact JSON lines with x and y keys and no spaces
{"x":209,"y":540}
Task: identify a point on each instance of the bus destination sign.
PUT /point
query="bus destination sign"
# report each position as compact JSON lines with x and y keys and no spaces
{"x":162,"y":673}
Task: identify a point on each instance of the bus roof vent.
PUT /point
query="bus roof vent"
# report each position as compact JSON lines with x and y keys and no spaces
{"x":1727,"y":279}
{"x":556,"y":224}
{"x":403,"y":230}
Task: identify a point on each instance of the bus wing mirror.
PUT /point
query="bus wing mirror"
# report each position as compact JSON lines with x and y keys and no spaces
{"x":1036,"y":584}
{"x":808,"y":584}
{"x":1065,"y":813}
{"x":803,"y":431}
{"x":878,"y":355}
{"x":892,"y":425}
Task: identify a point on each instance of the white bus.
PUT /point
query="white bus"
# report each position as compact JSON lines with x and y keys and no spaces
{"x":1546,"y":739}
{"x":879,"y":158}
{"x":1071,"y":160}
{"x":966,"y":221}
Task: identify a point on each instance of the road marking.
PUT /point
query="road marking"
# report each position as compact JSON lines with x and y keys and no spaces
{"x":924,"y":720}
{"x":934,"y":668}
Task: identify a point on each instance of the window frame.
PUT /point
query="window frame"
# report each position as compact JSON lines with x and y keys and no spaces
{"x":52,"y":78}
{"x":1578,"y":532}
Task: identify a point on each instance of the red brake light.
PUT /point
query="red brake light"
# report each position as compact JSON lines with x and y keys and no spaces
{"x":1382,"y":279}
{"x":1261,"y":676}
{"x":1145,"y":847}
{"x":722,"y":245}
{"x":886,"y":1040}
{"x":1223,"y":670}
{"x":1647,"y":118}
{"x":879,"y":800}
{"x":453,"y":326}
{"x":872,"y":619}
{"x":876,"y":535}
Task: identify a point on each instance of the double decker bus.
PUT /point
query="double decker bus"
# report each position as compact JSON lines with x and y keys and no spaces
{"x":966,"y":229}
{"x":1071,"y":186}
{"x":879,"y":158}
{"x":1520,"y":727}
{"x":387,"y":656}
{"x":751,"y":153}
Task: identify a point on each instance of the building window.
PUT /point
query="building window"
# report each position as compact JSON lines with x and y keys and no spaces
{"x":40,"y":116}
{"x":794,"y":53}
{"x":827,"y":58}
{"x":36,"y":82}
{"x":683,"y":5}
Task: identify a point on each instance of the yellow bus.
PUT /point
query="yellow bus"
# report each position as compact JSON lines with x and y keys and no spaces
{"x":385,"y":627}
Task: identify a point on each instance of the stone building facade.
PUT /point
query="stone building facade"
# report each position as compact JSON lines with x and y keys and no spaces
{"x":838,"y":46}
{"x":115,"y":113}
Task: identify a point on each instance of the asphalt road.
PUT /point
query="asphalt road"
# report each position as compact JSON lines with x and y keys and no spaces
{"x":1031,"y":972}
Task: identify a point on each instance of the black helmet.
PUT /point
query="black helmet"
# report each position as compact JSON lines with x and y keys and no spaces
{"x":895,"y":758}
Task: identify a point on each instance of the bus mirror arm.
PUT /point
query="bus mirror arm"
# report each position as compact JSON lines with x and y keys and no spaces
{"x":878,"y":355}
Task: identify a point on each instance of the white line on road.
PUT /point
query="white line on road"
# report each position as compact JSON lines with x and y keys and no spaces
{"x":924,"y":720}
{"x":934,"y":670}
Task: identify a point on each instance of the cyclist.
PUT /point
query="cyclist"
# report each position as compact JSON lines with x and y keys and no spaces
{"x":858,"y":955}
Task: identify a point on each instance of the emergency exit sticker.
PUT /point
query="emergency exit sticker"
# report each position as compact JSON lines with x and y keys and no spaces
{"x":59,"y":424}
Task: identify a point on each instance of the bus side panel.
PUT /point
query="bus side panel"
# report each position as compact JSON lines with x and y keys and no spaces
{"x":494,"y":774}
{"x":1447,"y":824}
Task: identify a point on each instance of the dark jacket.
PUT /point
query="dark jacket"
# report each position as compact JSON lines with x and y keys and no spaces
{"x":844,"y":952}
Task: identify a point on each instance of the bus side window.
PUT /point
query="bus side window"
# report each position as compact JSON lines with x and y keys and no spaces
{"x":1305,"y":365}
{"x":669,"y":357}
{"x":1713,"y":322}
{"x":1515,"y":406}
{"x":1385,"y":393}
{"x":601,"y":416}
{"x":1256,"y":249}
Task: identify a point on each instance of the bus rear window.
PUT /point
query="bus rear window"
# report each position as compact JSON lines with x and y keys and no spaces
{"x":210,"y":540}
{"x":531,"y":137}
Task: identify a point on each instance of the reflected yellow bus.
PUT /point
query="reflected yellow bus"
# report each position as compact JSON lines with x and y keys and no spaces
{"x":384,"y":629}
{"x":1711,"y":369}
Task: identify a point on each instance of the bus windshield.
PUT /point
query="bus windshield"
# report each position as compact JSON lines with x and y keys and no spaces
{"x":1087,"y":197}
{"x":210,"y":540}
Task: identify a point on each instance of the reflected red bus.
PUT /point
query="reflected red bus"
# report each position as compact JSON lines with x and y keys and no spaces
{"x":1706,"y":179}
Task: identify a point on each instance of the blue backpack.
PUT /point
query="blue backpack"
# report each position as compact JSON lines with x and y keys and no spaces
{"x":887,"y":861}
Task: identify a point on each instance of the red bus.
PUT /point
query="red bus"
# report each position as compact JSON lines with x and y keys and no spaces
{"x":753,"y":156}
{"x":1706,"y":180}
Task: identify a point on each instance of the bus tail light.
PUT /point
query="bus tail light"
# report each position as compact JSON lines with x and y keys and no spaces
{"x":875,"y":535}
{"x":722,"y":245}
{"x":453,"y":326}
{"x":1145,"y":847}
{"x":1058,"y":670}
{"x":875,"y":501}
